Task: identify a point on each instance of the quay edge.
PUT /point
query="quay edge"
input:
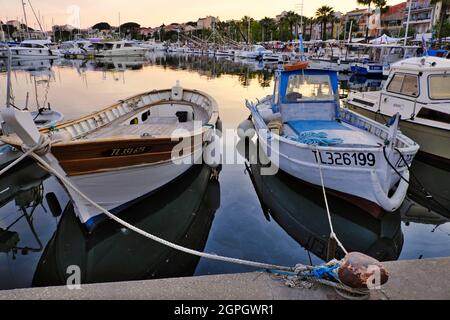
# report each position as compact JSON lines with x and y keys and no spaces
{"x":409,"y":280}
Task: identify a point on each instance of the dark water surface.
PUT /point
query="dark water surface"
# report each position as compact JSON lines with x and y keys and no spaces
{"x":244,"y":215}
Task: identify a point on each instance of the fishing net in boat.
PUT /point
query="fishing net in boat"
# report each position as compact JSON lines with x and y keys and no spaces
{"x":316,"y":138}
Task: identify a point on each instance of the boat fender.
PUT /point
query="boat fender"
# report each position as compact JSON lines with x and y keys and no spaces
{"x":360,"y":271}
{"x":219,"y":128}
{"x":393,"y":203}
{"x":53,"y":204}
{"x":246,"y":130}
{"x":212,"y":155}
{"x":177,"y":92}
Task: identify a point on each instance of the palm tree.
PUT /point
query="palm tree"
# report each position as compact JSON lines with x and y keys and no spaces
{"x":292,"y":19}
{"x":267,"y":25}
{"x":367,"y":3}
{"x":312,"y":21}
{"x":246,"y":25}
{"x":382,"y":5}
{"x":324,"y":15}
{"x":444,"y":9}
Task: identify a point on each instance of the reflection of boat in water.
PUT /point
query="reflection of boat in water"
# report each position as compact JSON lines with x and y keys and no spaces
{"x":35,"y":66}
{"x":24,"y":186}
{"x":362,"y":83}
{"x":120,"y":63}
{"x":435,"y":179}
{"x":181,"y":212}
{"x":300,"y":211}
{"x":413,"y":212}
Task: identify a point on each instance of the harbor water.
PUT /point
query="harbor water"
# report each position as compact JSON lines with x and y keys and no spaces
{"x":272,"y":219}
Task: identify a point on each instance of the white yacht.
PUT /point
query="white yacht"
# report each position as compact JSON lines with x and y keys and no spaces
{"x":418,"y":89}
{"x":77,"y":48}
{"x":119,"y":49}
{"x":381,"y":57}
{"x":152,"y":45}
{"x":35,"y":48}
{"x":254,"y":52}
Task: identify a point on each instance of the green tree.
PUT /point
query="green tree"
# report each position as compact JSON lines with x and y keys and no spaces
{"x":292,"y":19}
{"x":367,"y":3}
{"x":324,"y":14}
{"x":442,"y":20}
{"x":102,"y":26}
{"x":268,"y":25}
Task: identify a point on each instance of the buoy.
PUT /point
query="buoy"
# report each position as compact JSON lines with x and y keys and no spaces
{"x":219,"y":128}
{"x":212,"y":154}
{"x":246,"y":130}
{"x":359,"y":271}
{"x":53,"y":204}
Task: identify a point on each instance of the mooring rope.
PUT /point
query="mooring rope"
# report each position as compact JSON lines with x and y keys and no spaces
{"x":330,"y":220}
{"x":300,"y":271}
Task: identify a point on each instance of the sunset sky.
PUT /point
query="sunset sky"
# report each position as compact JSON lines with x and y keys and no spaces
{"x":151,"y":13}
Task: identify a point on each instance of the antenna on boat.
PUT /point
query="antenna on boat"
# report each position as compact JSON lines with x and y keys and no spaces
{"x":301,"y":47}
{"x":407,"y":22}
{"x":8,"y":77}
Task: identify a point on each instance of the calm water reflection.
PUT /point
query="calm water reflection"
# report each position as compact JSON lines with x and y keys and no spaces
{"x":269,"y":219}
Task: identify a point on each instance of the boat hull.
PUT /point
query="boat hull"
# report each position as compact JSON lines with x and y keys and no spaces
{"x":118,"y":189}
{"x":368,"y":70}
{"x":366,"y":186}
{"x":432,"y":141}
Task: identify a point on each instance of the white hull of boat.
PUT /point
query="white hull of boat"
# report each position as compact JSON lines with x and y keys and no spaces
{"x":432,"y":141}
{"x":18,"y":53}
{"x":329,"y":65}
{"x":116,"y":189}
{"x":360,"y":174}
{"x":135,"y":52}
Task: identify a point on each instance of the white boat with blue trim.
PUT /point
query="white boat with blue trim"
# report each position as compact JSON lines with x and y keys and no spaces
{"x":304,"y":131}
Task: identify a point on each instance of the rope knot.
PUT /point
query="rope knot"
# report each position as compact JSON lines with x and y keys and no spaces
{"x":41,"y":148}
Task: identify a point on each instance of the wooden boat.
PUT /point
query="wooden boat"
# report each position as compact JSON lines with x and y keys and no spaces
{"x":361,"y":160}
{"x":129,"y":150}
{"x":419,"y":89}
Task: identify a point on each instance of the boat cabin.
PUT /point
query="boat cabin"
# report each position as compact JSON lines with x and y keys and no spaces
{"x":305,"y":108}
{"x":114,"y":45}
{"x":306,"y":95}
{"x":37,"y":44}
{"x":419,"y":88}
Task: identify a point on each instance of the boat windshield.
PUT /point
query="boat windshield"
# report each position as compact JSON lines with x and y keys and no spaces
{"x":308,"y":87}
{"x":439,"y":87}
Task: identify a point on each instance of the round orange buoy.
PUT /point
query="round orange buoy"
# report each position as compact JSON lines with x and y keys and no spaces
{"x":300,"y":65}
{"x":362,"y":272}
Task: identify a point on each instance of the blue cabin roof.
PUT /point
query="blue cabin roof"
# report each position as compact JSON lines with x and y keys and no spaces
{"x":302,"y":82}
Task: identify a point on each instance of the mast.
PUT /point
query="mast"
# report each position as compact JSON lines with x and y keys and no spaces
{"x":37,"y":18}
{"x":407,"y":22}
{"x":119,"y":28}
{"x":25,"y":17}
{"x":301,"y":47}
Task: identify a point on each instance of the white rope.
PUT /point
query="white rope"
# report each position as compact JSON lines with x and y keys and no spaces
{"x":43,"y":144}
{"x":153,"y":237}
{"x":330,"y":221}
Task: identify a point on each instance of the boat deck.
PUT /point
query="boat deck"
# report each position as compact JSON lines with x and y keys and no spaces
{"x":156,"y":127}
{"x":151,"y":129}
{"x":330,"y":133}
